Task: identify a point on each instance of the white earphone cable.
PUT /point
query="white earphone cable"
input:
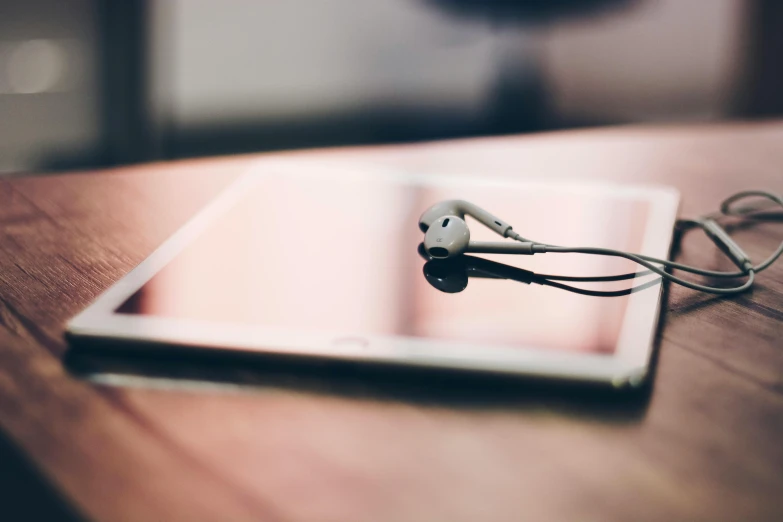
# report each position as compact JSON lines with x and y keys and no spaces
{"x":649,"y":262}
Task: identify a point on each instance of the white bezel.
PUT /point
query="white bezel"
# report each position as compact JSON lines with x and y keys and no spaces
{"x":629,"y":363}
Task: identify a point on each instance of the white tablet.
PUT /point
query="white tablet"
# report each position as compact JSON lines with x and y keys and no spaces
{"x":316,"y":261}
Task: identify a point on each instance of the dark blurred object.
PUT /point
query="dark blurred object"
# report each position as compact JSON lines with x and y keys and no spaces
{"x":127,"y":131}
{"x":761,"y":92}
{"x":528,"y":11}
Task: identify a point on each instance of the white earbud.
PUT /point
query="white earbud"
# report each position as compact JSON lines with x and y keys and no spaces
{"x":447,"y":235}
{"x":459,"y":208}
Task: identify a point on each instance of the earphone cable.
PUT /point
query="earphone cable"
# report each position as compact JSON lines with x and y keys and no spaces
{"x":749,"y":270}
{"x":602,"y":293}
{"x":649,"y":265}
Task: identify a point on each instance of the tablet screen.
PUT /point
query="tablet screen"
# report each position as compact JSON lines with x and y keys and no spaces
{"x":341,"y":256}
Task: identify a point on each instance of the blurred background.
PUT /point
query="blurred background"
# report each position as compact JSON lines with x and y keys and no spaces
{"x":86,"y":83}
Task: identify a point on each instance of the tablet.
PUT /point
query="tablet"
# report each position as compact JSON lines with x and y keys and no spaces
{"x":307,"y":260}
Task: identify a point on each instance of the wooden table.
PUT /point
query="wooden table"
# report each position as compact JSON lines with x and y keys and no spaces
{"x":708,"y":446}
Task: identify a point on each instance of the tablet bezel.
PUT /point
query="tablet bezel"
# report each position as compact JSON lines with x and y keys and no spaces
{"x":629,"y":364}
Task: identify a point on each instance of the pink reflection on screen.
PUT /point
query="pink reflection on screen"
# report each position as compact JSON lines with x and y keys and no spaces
{"x":340,"y":255}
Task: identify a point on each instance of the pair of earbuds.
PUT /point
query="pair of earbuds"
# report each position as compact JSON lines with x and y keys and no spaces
{"x":447,"y":236}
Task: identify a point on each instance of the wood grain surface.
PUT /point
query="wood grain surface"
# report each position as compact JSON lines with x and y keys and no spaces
{"x":705,"y":445}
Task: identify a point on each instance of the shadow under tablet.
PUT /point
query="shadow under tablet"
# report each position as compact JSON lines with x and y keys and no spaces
{"x":425,"y":387}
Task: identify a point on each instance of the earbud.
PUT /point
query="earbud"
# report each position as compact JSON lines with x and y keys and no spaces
{"x":448,"y":236}
{"x":446,"y":233}
{"x":459,"y":208}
